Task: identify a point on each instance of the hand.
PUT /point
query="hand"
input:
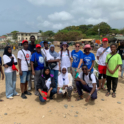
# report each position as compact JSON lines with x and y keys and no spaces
{"x":43,"y":95}
{"x":20,"y":73}
{"x":87,"y":99}
{"x":77,"y":70}
{"x":89,"y":70}
{"x":6,"y":66}
{"x":63,"y":87}
{"x":33,"y":72}
{"x":2,"y":76}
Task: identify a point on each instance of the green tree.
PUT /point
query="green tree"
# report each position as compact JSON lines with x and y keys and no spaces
{"x":40,"y":31}
{"x":14,"y":34}
{"x":104,"y":28}
{"x":122,"y":31}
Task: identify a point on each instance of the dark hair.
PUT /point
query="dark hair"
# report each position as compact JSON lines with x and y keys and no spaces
{"x":32,"y":36}
{"x":67,"y":51}
{"x":77,"y":43}
{"x":45,"y":41}
{"x":84,"y":66}
{"x":113,"y":44}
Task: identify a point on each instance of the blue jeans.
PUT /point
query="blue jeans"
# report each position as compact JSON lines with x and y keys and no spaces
{"x":10,"y":79}
{"x":25,"y":77}
{"x":54,"y":91}
{"x":55,"y":74}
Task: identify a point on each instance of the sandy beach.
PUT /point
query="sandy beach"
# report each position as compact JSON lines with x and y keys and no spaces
{"x":104,"y":110}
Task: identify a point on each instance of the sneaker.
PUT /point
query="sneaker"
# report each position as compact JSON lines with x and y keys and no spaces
{"x":23,"y":96}
{"x":27,"y":93}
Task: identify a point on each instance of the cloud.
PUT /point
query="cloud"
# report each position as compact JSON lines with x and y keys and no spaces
{"x":117,"y":15}
{"x":96,"y":21}
{"x":59,"y":26}
{"x":60,"y":16}
{"x":47,"y":2}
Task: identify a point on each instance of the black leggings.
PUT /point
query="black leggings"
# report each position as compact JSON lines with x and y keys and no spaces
{"x":100,"y":76}
{"x":114,"y":83}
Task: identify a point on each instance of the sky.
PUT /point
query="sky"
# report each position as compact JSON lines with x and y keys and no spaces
{"x":35,"y":15}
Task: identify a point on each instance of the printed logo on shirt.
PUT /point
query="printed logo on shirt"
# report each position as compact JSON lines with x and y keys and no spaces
{"x":41,"y":60}
{"x":27,"y":56}
{"x":75,"y":58}
{"x":88,"y":60}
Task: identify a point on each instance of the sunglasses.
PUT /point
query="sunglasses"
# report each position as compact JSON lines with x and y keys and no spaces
{"x":84,"y":68}
{"x":77,"y":46}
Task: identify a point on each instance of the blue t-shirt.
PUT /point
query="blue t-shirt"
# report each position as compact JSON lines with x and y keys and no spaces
{"x":76,"y":58}
{"x":39,"y":59}
{"x":87,"y":59}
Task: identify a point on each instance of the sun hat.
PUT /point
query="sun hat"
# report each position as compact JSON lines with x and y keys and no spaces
{"x":87,"y":46}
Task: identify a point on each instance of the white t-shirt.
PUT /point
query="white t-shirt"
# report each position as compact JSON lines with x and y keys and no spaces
{"x":7,"y":59}
{"x":65,"y":60}
{"x":102,"y":58}
{"x":45,"y":52}
{"x":24,"y":66}
{"x":49,"y":57}
{"x":48,"y":83}
{"x":87,"y":80}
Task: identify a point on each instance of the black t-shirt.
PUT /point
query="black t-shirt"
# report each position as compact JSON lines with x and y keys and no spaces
{"x":121,"y":51}
{"x":32,"y":48}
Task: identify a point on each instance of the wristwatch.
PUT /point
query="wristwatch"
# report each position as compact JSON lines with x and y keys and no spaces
{"x":89,"y":94}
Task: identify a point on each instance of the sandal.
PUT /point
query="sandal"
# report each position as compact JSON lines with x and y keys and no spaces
{"x":114,"y":95}
{"x":10,"y":98}
{"x":103,"y":89}
{"x":80,"y":98}
{"x":107,"y":94}
{"x":1,"y":100}
{"x":75,"y":91}
{"x":69,"y":99}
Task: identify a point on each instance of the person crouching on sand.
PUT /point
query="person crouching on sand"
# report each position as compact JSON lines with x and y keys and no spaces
{"x":65,"y":83}
{"x":46,"y":85}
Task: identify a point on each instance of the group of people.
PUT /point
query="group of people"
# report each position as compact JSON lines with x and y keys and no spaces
{"x":63,"y":72}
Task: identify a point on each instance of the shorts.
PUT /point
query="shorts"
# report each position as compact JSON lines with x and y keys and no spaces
{"x":25,"y":77}
{"x":102,"y":69}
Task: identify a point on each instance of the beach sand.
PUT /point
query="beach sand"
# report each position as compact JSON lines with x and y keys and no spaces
{"x":104,"y":110}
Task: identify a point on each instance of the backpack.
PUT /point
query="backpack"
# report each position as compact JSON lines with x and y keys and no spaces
{"x":97,"y":81}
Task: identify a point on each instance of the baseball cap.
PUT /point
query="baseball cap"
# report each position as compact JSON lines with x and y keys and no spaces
{"x":104,"y":39}
{"x":38,"y":45}
{"x":24,"y":41}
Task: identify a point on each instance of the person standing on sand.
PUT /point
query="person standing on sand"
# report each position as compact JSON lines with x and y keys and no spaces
{"x":77,"y":56}
{"x":65,"y":57}
{"x":1,"y":71}
{"x":113,"y":61}
{"x":32,"y":49}
{"x":101,"y":54}
{"x":87,"y":82}
{"x":120,"y":50}
{"x":45,"y":51}
{"x":53,"y":59}
{"x":88,"y":58}
{"x":37,"y":65}
{"x":10,"y":74}
{"x":24,"y":57}
{"x":46,"y":85}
